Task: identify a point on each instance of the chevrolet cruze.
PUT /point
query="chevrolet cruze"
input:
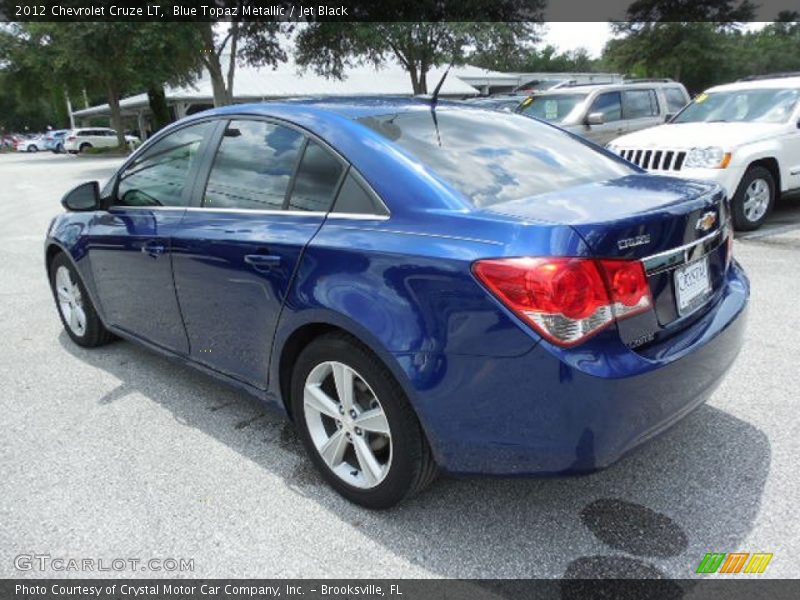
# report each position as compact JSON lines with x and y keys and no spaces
{"x":420,"y":288}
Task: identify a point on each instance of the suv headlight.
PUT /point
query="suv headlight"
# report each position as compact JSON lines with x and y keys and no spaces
{"x":712,"y":157}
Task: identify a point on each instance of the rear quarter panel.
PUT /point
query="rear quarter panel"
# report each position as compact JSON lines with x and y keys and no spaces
{"x":406,"y":290}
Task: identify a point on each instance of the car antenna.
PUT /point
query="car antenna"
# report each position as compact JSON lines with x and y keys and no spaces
{"x":435,"y":99}
{"x":435,"y":95}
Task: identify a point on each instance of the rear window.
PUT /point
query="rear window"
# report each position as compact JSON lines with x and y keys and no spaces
{"x":494,"y":157}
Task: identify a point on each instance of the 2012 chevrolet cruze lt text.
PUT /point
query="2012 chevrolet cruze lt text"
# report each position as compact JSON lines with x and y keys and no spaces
{"x":419,"y":288}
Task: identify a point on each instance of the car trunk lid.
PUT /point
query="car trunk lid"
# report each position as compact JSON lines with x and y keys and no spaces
{"x":678,"y":229}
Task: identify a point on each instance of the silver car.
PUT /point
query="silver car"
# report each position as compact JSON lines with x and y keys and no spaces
{"x":603,"y":112}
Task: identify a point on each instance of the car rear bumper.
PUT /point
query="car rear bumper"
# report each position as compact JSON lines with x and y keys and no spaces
{"x":544,"y":413}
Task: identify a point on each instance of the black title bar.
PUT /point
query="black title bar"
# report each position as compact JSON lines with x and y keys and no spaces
{"x":396,"y":10}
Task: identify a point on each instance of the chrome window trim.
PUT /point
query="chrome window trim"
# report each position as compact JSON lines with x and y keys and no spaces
{"x":258,"y":211}
{"x":348,"y":166}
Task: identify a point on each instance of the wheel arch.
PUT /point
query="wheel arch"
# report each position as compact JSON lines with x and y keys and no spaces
{"x":51,"y":251}
{"x":770,"y":163}
{"x":293,"y":342}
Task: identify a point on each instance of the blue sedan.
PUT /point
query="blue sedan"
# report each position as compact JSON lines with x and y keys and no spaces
{"x":419,"y":288}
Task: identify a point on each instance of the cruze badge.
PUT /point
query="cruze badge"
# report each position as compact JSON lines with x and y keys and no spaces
{"x":706,"y":222}
{"x":639,"y":240}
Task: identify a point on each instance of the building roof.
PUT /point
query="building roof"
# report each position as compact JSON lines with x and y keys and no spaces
{"x":287,"y":81}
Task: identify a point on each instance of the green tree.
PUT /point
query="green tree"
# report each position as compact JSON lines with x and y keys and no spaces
{"x":111,"y":59}
{"x":165,"y":54}
{"x":528,"y":59}
{"x":254,"y":43}
{"x":328,"y":47}
{"x":772,"y":49}
{"x":682,"y":39}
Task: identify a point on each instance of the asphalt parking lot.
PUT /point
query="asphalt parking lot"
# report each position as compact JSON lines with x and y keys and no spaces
{"x":117,"y":452}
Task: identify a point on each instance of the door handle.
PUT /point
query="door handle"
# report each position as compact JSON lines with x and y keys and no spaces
{"x":153,"y":249}
{"x":262,"y":262}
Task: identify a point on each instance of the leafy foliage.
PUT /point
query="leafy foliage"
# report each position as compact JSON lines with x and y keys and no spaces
{"x":328,"y":47}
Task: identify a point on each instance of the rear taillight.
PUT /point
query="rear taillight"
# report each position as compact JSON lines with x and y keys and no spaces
{"x":71,"y":138}
{"x":567,"y":300}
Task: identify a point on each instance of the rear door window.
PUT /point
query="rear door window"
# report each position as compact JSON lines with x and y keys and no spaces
{"x":610,"y":104}
{"x":353,"y":198}
{"x":253,"y":166}
{"x":317,"y":179}
{"x":675,"y":98}
{"x":637,"y":104}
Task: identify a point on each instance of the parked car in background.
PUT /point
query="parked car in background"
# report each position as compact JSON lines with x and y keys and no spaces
{"x":557,"y":80}
{"x":504,"y":102}
{"x":743,"y":135}
{"x":418,"y":288}
{"x":602,"y":112}
{"x":54,"y":140}
{"x":86,"y":138}
{"x":30,"y":144}
{"x":9,"y":141}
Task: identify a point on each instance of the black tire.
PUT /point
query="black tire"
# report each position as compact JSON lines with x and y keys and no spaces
{"x":412,"y":467}
{"x":84,"y":147}
{"x":33,"y":149}
{"x":95,"y":334}
{"x":741,"y":221}
{"x":60,"y":149}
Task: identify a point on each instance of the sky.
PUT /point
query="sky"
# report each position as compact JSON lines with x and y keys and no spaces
{"x":592,"y":36}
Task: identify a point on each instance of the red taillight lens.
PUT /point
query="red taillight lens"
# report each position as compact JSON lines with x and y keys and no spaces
{"x":627,"y":285}
{"x":567,"y":299}
{"x":71,"y":138}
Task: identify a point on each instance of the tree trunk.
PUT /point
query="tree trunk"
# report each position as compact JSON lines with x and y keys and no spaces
{"x":423,"y":80}
{"x":232,"y":60}
{"x":217,"y":82}
{"x":116,"y":115}
{"x":418,"y":84}
{"x":158,"y":106}
{"x":213,"y":66}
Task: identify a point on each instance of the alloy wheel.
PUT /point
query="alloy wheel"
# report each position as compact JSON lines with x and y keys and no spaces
{"x":756,"y":200}
{"x":70,"y":301}
{"x":347,"y":424}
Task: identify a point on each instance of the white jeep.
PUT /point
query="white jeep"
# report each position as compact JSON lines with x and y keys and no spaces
{"x":743,"y":135}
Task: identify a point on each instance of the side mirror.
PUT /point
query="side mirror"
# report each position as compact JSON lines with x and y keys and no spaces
{"x":668,"y":117}
{"x":595,"y":118}
{"x":83,"y":198}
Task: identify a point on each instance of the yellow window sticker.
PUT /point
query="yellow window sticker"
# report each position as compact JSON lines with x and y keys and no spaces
{"x":701,"y":98}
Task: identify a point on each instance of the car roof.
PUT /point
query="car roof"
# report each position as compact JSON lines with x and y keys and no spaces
{"x":606,"y":87}
{"x":756,"y":84}
{"x":350,"y":107}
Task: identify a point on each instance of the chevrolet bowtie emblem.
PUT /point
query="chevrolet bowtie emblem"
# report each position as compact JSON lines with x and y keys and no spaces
{"x":706,"y":222}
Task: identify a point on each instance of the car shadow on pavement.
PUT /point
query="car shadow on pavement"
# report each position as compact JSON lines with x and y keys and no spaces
{"x":695,"y":489}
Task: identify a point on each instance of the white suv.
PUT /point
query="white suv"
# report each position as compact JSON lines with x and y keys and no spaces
{"x":80,"y":140}
{"x":743,"y":135}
